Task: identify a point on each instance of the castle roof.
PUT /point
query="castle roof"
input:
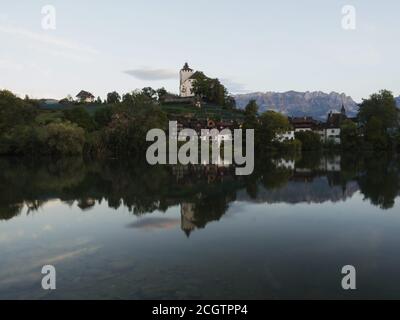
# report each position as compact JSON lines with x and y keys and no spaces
{"x":186,"y":67}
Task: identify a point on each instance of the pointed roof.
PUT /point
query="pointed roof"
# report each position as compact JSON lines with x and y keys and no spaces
{"x":187,"y":232}
{"x":186,"y":67}
{"x":84,"y":94}
{"x":343,"y":110}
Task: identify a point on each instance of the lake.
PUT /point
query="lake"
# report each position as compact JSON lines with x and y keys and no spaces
{"x":124,"y":230}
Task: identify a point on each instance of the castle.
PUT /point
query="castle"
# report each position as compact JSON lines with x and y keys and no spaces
{"x":186,"y":82}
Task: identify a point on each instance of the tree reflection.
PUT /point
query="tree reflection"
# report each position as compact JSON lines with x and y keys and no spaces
{"x":204,"y":193}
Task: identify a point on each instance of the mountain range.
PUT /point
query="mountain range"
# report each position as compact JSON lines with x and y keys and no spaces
{"x":316,"y":104}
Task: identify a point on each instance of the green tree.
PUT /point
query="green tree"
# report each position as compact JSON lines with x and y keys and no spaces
{"x":81,"y":117}
{"x":126,"y":133}
{"x":103,"y":117}
{"x":271,"y":124}
{"x":113,"y":97}
{"x":62,"y":139}
{"x":349,"y":135}
{"x":14,"y":111}
{"x":375,"y":133}
{"x":381,"y":106}
{"x":150,"y":92}
{"x":250,"y":115}
{"x":310,"y":141}
{"x":161,"y":93}
{"x":211,"y":90}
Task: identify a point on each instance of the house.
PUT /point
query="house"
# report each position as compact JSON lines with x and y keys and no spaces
{"x":333,"y":125}
{"x":303,"y":124}
{"x":298,"y":125}
{"x":85,"y":97}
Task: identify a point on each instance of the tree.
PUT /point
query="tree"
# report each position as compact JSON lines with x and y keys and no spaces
{"x":211,"y":90}
{"x":113,"y":97}
{"x":230,"y":103}
{"x":250,"y":115}
{"x":103,"y":117}
{"x":349,"y":135}
{"x":150,"y":92}
{"x":126,"y":133}
{"x":14,"y":111}
{"x":161,"y":93}
{"x":20,"y":140}
{"x":62,"y":139}
{"x":375,"y":133}
{"x":81,"y":117}
{"x":270,"y":125}
{"x":98,"y":100}
{"x":382,"y":107}
{"x":310,"y":141}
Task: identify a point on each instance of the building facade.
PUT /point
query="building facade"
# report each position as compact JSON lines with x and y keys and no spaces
{"x":186,"y":82}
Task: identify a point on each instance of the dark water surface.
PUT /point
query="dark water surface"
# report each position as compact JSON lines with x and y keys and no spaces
{"x":122,"y":230}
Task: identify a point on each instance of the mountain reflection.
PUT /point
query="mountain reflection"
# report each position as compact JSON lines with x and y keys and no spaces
{"x":203,"y":193}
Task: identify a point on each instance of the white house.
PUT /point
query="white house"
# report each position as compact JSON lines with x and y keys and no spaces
{"x":303,"y":124}
{"x":186,"y":82}
{"x":333,"y":135}
{"x":285,"y":136}
{"x":85,"y":96}
{"x":333,"y":124}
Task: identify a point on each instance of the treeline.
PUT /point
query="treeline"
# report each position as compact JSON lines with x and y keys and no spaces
{"x":378,"y":124}
{"x":116,"y":128}
{"x":120,"y":125}
{"x":376,"y":127}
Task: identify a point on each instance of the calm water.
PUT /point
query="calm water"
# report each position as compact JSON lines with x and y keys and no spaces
{"x":122,"y":230}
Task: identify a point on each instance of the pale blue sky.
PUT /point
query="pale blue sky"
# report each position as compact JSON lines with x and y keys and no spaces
{"x":254,"y":45}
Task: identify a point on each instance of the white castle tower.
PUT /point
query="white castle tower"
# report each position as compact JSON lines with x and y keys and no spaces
{"x":186,"y":81}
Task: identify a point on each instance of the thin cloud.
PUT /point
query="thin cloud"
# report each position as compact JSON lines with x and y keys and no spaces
{"x":47,"y":39}
{"x":152,"y":74}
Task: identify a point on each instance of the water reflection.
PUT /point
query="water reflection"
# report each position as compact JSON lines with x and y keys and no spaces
{"x":122,"y":229}
{"x":203,"y":193}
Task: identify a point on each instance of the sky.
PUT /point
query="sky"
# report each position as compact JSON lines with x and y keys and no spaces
{"x":254,"y":45}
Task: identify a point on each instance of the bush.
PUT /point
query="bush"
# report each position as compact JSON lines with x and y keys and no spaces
{"x":291,"y":147}
{"x":19,"y":141}
{"x":103,"y":117}
{"x":81,"y":117}
{"x":310,"y":141}
{"x":62,"y":139}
